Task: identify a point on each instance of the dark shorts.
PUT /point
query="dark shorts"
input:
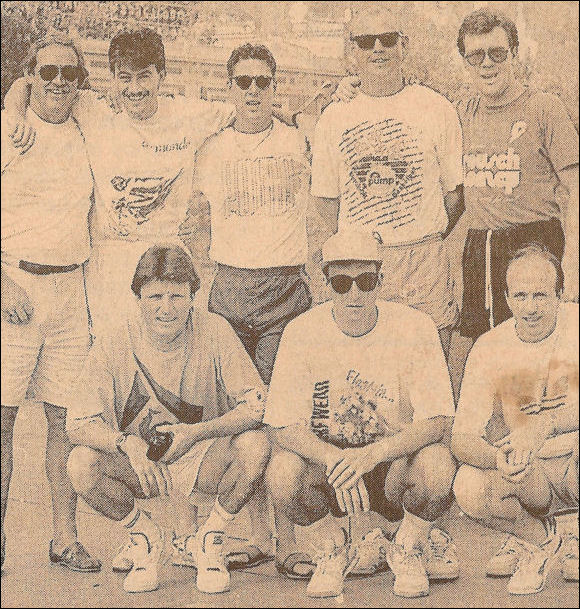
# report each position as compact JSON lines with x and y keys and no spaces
{"x":475,"y":317}
{"x":259,"y":303}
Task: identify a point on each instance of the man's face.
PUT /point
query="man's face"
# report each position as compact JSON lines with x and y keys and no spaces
{"x":138,"y":88}
{"x":490,"y":77}
{"x":378,"y":61}
{"x":165,"y":306}
{"x":253,"y":104}
{"x":532,"y":298}
{"x":355,"y":304}
{"x":52,"y":91}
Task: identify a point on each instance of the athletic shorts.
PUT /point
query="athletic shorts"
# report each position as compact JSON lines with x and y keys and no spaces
{"x":43,"y":358}
{"x":562,"y":472}
{"x":419,"y":276}
{"x":185,"y":470}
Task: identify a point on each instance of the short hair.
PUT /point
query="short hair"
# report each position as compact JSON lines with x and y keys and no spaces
{"x":326,"y":265}
{"x":251,"y":51}
{"x":484,"y":21}
{"x":57,"y":40}
{"x":140,"y":48}
{"x":535,"y":248}
{"x":165,"y":263}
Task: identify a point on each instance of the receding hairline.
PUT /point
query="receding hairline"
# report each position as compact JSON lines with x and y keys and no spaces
{"x":526,"y":258}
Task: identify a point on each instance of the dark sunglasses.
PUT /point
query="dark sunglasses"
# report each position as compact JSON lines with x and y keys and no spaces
{"x":368,"y":41}
{"x":245,"y":82}
{"x":496,"y":54}
{"x":365,"y":282}
{"x":69,"y":73}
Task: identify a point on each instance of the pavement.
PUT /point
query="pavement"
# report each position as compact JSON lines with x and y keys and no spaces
{"x":28,"y":580}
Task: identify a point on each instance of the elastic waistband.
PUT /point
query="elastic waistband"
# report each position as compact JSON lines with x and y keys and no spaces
{"x":272,"y":270}
{"x":36,"y":268}
{"x":427,"y":239}
{"x":510,"y":230}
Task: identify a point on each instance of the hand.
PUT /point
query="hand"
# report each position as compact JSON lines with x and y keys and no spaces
{"x":353,"y":500}
{"x":354,"y":462}
{"x":570,"y":269}
{"x":528,"y":438}
{"x":184,"y":437}
{"x":347,"y":89}
{"x":22,"y":134}
{"x":514,"y":466}
{"x":154,"y":478}
{"x":114,"y":101}
{"x":16,"y":306}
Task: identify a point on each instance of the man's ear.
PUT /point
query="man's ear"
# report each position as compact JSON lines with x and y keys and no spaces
{"x":28,"y":76}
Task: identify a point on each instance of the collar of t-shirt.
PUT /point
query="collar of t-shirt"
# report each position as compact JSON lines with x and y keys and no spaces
{"x":40,"y":124}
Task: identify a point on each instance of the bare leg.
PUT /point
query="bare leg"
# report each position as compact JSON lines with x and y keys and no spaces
{"x":445,"y":337}
{"x":8,"y":419}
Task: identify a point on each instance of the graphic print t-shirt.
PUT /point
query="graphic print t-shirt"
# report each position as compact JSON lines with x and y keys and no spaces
{"x":353,"y":390}
{"x":511,"y":156}
{"x":391,"y":160}
{"x":143,"y":169}
{"x":504,"y":374}
{"x":257,"y":187}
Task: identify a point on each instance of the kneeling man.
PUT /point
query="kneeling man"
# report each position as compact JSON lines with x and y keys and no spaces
{"x":516,"y":429}
{"x":361,"y":403}
{"x":171,"y":373}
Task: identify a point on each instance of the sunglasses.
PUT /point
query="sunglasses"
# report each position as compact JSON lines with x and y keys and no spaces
{"x":69,"y":73}
{"x":496,"y":54}
{"x":365,"y":282}
{"x":368,"y":41}
{"x":245,"y":82}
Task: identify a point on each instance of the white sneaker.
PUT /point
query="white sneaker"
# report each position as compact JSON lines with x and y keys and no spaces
{"x":212,"y":574}
{"x":410,"y":575}
{"x":504,"y":562}
{"x":332,"y":566}
{"x":533,"y":566}
{"x":184,"y":550}
{"x":570,"y":558}
{"x":148,"y":555}
{"x":124,"y":559}
{"x":371,"y":551}
{"x":440,"y":554}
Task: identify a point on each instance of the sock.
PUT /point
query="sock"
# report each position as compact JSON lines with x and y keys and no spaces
{"x":216,"y":521}
{"x":413,"y":531}
{"x":139,"y":521}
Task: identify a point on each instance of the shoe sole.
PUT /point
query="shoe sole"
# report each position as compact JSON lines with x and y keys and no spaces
{"x":142,"y":591}
{"x":443,"y":578}
{"x":410,"y":595}
{"x":118,"y":570}
{"x":75,"y":569}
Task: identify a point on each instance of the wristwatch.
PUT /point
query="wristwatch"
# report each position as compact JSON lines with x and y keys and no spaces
{"x":120,"y":442}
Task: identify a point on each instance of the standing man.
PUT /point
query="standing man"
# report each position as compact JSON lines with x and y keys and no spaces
{"x":255,"y":175}
{"x":516,"y":429}
{"x":520,"y":146}
{"x":361,"y":404}
{"x":390,"y":162}
{"x":46,"y":197}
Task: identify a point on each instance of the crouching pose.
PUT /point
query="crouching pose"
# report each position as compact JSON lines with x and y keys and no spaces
{"x":171,"y":373}
{"x":516,"y":428}
{"x":360,"y":402}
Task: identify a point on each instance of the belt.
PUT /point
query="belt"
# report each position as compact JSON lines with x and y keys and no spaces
{"x":46,"y":269}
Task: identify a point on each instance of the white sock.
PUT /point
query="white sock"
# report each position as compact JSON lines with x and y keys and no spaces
{"x":413,"y":531}
{"x":139,"y":521}
{"x":216,"y":521}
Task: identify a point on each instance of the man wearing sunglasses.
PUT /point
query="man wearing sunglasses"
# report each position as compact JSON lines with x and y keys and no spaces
{"x":390,"y":162}
{"x":255,"y":176}
{"x":520,"y":150}
{"x":46,"y":197}
{"x":360,"y":402}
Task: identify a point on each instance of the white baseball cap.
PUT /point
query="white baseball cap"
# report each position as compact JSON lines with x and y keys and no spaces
{"x":350,"y":244}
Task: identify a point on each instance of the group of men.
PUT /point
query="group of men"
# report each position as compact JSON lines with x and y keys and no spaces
{"x":341,"y":408}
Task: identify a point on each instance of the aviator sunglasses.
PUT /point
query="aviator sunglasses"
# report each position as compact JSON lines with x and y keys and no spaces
{"x":49,"y":72}
{"x":367,"y":41}
{"x":245,"y":82}
{"x":496,"y":54}
{"x":365,"y":282}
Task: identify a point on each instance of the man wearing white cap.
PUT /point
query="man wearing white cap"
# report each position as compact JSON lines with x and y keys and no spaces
{"x":360,"y":402}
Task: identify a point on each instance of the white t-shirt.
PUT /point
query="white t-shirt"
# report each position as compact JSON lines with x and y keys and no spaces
{"x":143,"y":169}
{"x":391,"y":160}
{"x":504,"y":373}
{"x":46,"y":195}
{"x":257,"y":186}
{"x":352,"y":390}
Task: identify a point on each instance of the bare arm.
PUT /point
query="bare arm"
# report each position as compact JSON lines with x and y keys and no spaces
{"x":322,"y":223}
{"x":454,"y":206}
{"x":302,"y":441}
{"x":474,"y":450}
{"x":569,"y":180}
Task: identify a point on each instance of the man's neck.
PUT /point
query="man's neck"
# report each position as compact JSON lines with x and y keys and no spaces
{"x":146,"y":114}
{"x":246,"y":126}
{"x":165,"y":344}
{"x":529,"y":339}
{"x":55,"y":117}
{"x":357,"y":328}
{"x":375,"y":86}
{"x":508,"y":95}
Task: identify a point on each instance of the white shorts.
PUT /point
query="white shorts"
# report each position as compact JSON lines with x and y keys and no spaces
{"x":43,"y":358}
{"x":185,"y":470}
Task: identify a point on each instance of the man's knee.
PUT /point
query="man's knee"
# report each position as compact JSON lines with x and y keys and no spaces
{"x":84,"y":468}
{"x":285,"y":476}
{"x":432,"y":471}
{"x":252,"y":453}
{"x":471,"y":488}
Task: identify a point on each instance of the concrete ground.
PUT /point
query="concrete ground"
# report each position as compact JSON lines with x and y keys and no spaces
{"x":28,"y":580}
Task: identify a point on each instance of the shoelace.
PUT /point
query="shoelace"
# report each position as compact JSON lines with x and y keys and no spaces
{"x":441,"y":549}
{"x":570,"y":546}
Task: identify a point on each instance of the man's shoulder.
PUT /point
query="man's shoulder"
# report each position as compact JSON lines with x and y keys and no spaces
{"x":429,"y":95}
{"x":500,"y":335}
{"x":316,"y":317}
{"x":403,"y":317}
{"x":569,"y":312}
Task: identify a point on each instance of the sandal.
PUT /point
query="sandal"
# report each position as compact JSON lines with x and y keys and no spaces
{"x":75,"y":558}
{"x":246,"y":558}
{"x":288,"y":566}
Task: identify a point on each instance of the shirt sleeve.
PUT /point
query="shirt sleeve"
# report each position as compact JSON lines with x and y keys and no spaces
{"x":450,"y":149}
{"x":325,"y":160}
{"x":208,"y":117}
{"x":476,"y":400}
{"x":428,"y":382}
{"x":560,"y":135}
{"x":287,"y":402}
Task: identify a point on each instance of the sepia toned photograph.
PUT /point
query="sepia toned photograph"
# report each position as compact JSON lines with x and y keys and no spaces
{"x":289,"y":304}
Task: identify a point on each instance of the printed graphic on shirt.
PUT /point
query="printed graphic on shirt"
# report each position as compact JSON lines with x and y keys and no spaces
{"x":265,"y":186}
{"x":140,"y":198}
{"x":385,"y":169}
{"x":357,"y":417}
{"x":496,"y":170}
